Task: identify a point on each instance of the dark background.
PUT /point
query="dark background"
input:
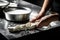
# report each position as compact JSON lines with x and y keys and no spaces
{"x":37,"y":2}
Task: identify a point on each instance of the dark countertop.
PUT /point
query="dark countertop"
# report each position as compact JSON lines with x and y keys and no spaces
{"x":4,"y":24}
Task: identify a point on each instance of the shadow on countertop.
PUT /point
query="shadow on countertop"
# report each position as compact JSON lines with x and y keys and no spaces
{"x":42,"y":35}
{"x":37,"y":36}
{"x":2,"y":37}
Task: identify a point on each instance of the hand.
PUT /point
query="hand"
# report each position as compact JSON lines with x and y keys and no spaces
{"x":44,"y":21}
{"x":37,"y":18}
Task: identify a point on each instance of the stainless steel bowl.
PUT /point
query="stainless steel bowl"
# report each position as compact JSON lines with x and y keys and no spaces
{"x":15,"y":14}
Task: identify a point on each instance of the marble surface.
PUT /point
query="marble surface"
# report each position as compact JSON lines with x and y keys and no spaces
{"x":4,"y":23}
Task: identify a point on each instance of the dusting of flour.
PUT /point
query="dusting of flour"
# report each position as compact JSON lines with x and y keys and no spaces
{"x":19,"y":12}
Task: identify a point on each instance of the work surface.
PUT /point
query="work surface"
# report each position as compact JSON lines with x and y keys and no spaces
{"x":4,"y":23}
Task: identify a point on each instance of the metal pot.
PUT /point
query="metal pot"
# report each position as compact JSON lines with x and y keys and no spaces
{"x":17,"y":14}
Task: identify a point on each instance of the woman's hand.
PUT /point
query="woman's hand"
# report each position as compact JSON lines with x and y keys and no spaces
{"x":44,"y":21}
{"x":38,"y":17}
{"x":42,"y":11}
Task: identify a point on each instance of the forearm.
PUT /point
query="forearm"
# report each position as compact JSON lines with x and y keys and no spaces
{"x":45,"y":7}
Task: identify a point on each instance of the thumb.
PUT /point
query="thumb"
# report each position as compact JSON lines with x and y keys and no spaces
{"x":33,"y":20}
{"x":40,"y":24}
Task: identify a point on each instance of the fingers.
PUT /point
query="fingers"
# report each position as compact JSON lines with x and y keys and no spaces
{"x":40,"y":24}
{"x":37,"y":18}
{"x":44,"y":21}
{"x":33,"y":20}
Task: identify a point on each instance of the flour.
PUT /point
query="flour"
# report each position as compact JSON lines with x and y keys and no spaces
{"x":19,"y":12}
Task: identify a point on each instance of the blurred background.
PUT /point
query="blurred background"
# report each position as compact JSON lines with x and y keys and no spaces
{"x":37,"y":2}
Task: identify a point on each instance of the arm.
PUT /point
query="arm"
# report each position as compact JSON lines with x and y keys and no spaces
{"x":45,"y":7}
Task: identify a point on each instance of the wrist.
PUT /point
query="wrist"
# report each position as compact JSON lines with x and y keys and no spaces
{"x":41,"y":14}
